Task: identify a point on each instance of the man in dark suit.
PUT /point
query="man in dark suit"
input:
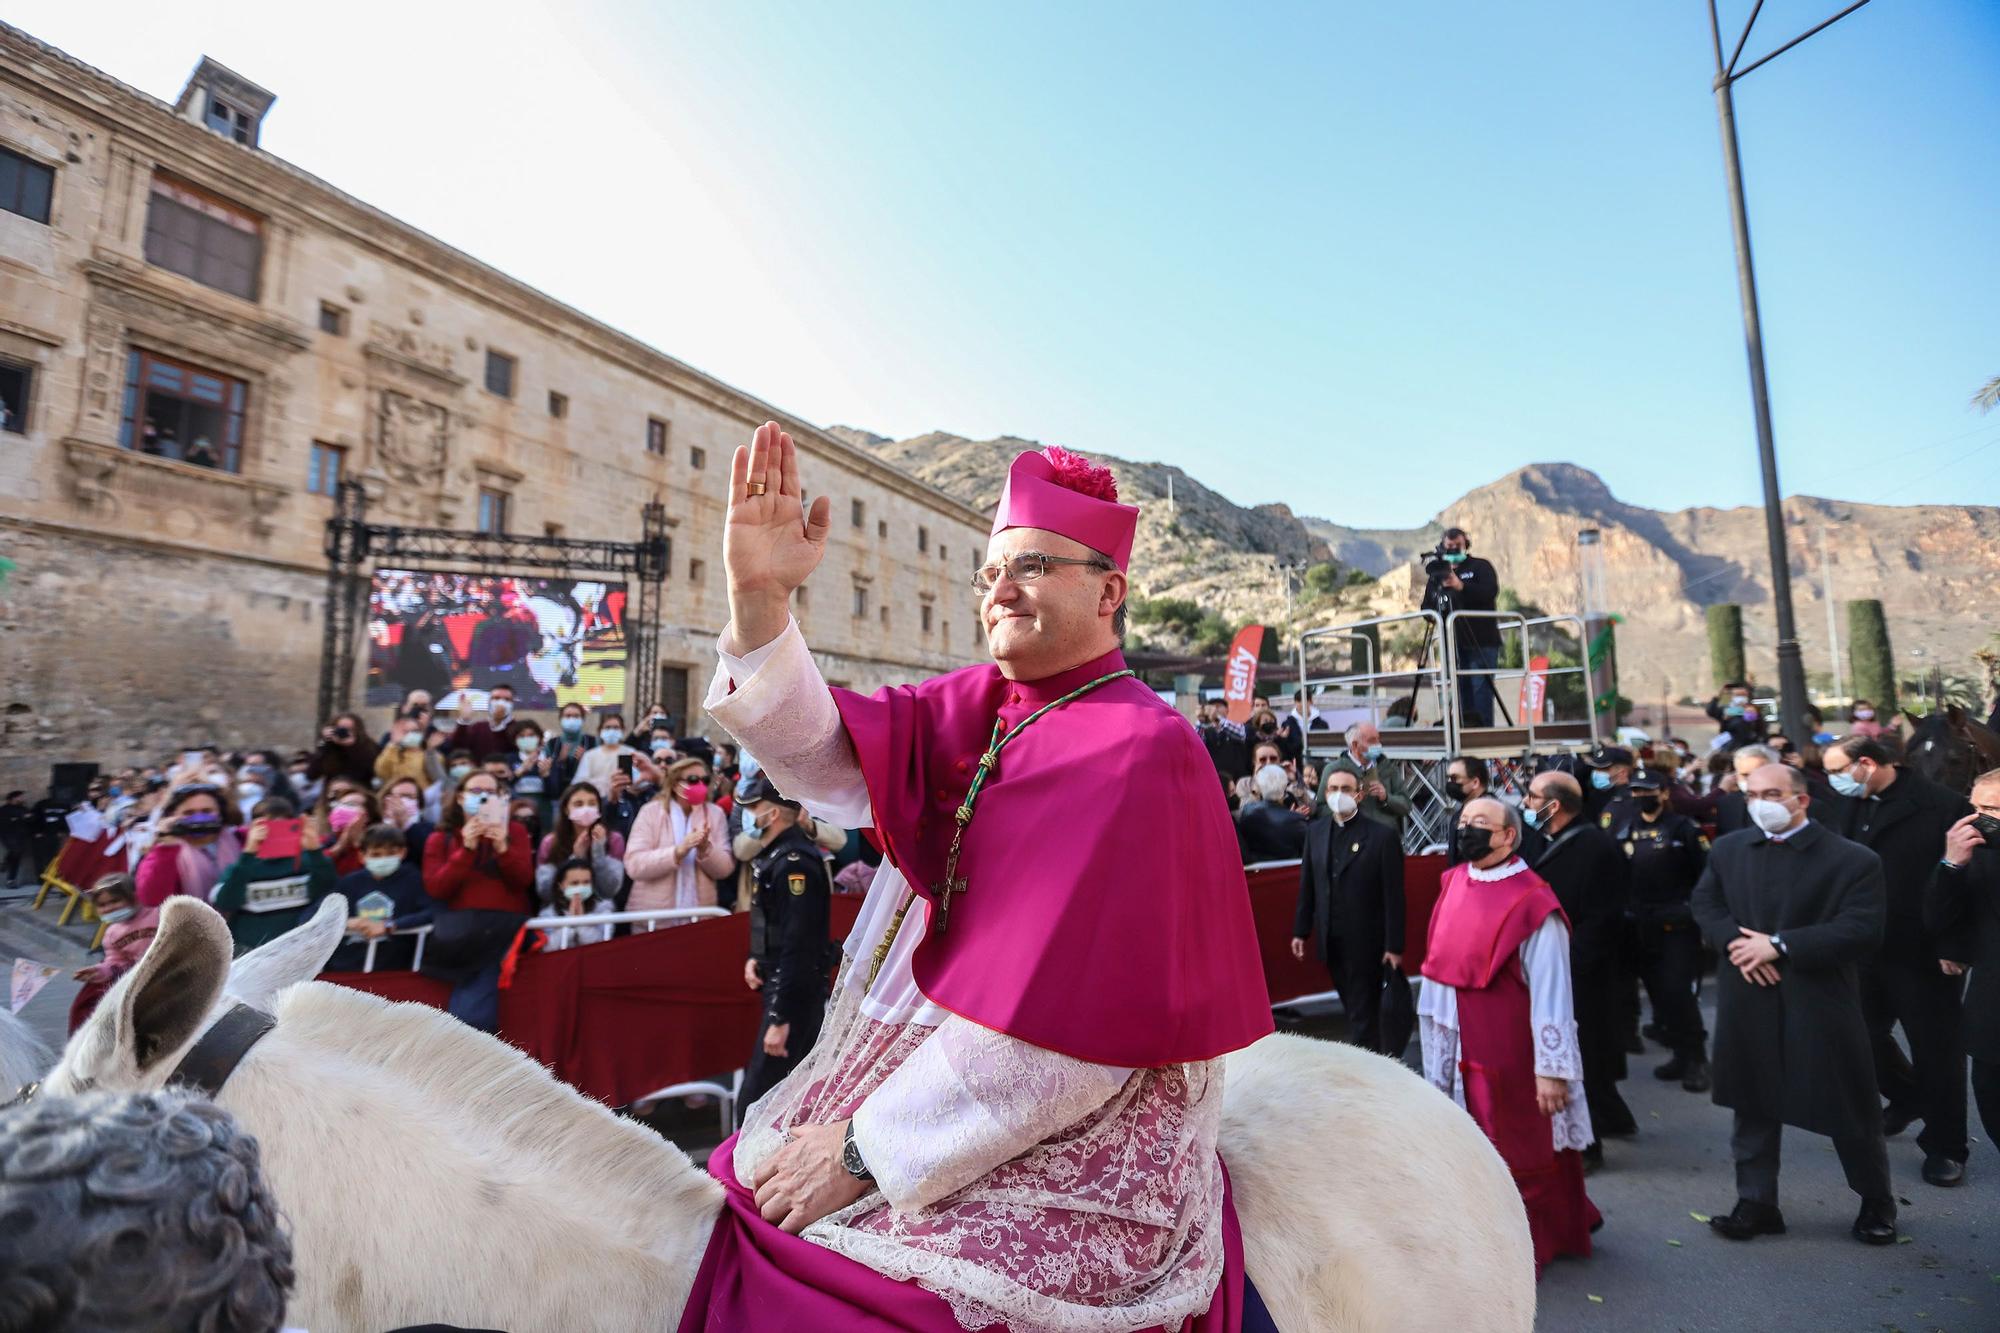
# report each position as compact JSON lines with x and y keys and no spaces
{"x":1904,"y":818}
{"x":1795,"y":910}
{"x":1965,"y":896}
{"x":1351,"y":902}
{"x":1593,"y":882}
{"x":1731,"y":807}
{"x":1267,"y":829}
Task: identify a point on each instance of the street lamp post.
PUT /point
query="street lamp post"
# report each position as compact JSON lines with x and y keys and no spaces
{"x":1791,"y":667}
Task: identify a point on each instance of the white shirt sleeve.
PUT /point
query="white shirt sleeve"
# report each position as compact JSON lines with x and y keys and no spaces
{"x":1551,"y":1007}
{"x":967,"y":1100}
{"x":776,"y":704}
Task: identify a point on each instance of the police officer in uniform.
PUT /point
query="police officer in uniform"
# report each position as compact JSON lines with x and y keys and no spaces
{"x":1668,"y":855}
{"x":1607,"y":776}
{"x":790,"y":944}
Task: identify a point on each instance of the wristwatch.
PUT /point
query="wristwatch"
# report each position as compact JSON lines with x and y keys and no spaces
{"x":1778,"y":943}
{"x":850,"y":1157}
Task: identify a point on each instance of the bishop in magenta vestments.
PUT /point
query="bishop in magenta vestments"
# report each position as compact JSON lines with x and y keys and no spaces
{"x":1036,"y":1088}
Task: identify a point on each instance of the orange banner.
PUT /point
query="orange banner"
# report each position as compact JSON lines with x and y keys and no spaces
{"x":1239,"y":677}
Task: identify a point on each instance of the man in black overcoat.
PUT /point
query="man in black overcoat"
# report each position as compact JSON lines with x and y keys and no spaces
{"x":1351,"y":903}
{"x":1795,"y":910}
{"x":1593,"y":882}
{"x":1903,"y":818}
{"x":1965,"y":896}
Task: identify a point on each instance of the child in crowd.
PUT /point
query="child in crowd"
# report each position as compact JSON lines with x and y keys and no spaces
{"x":386,"y":868}
{"x":263,"y":896}
{"x":580,"y":834}
{"x":128,"y":930}
{"x":576,"y":896}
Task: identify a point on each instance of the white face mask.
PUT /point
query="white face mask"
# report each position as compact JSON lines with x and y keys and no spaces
{"x":575,"y":891}
{"x":1342,"y":805}
{"x":1771,"y":816}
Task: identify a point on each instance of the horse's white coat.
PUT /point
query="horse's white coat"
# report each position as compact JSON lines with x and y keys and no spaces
{"x":431,"y":1173}
{"x":23,"y":1057}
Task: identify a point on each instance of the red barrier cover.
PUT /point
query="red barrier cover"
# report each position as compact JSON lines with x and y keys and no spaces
{"x":630,"y":1016}
{"x":1274,"y":898}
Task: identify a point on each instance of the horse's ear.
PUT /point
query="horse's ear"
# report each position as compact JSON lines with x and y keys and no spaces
{"x":295,"y":956}
{"x":155,"y":1010}
{"x":1955,"y":714}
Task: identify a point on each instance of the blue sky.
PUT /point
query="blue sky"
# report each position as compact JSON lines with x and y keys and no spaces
{"x":1356,"y":257}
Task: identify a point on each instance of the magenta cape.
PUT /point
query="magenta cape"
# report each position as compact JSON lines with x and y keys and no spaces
{"x":755,"y":1277}
{"x":1478,"y":925}
{"x":1106,"y":915}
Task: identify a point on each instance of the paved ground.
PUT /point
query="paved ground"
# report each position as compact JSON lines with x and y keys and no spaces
{"x":1816,"y":1278}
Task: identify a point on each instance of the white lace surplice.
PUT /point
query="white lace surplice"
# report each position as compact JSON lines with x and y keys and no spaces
{"x":1025,"y":1187}
{"x":1551,"y":1011}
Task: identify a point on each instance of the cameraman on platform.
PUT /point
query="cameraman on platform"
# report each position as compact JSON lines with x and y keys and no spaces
{"x":1461,"y":581}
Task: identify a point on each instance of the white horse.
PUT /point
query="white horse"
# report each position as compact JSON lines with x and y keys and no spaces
{"x":432,"y":1173}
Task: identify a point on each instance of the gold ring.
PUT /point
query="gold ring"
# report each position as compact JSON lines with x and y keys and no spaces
{"x":755,"y":487}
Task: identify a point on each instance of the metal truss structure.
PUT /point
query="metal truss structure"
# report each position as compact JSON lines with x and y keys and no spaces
{"x":354,"y":546}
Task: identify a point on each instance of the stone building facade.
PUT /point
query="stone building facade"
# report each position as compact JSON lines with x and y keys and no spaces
{"x":197,"y":339}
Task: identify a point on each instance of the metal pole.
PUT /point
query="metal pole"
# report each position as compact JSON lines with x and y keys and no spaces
{"x":1791,"y":666}
{"x":1832,"y":621}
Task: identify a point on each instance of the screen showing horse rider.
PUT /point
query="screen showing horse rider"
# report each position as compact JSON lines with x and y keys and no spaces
{"x":556,"y":641}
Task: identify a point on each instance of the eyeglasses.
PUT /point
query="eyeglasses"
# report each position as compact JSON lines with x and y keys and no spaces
{"x":1027,"y":567}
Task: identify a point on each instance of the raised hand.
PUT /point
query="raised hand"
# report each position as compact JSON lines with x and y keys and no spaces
{"x":770,"y":542}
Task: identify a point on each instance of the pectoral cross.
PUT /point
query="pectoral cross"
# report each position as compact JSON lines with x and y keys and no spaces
{"x":952,"y":884}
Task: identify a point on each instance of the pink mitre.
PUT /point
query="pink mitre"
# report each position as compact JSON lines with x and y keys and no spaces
{"x":1066,"y":493}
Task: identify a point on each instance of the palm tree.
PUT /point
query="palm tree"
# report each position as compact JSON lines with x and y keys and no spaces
{"x":1988,"y":396}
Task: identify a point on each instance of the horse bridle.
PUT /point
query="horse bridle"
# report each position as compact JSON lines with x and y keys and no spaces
{"x":209,"y":1062}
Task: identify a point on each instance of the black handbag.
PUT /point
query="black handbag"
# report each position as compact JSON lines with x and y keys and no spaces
{"x":1399,"y":1012}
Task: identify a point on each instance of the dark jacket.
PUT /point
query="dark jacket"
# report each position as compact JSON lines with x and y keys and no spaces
{"x":790,"y":931}
{"x":1905,"y":827}
{"x":1482,"y":588}
{"x":1797,"y":1051}
{"x":1668,"y":855}
{"x":1966,"y":904}
{"x":1593,"y":881}
{"x":410,"y":907}
{"x":355,"y":762}
{"x":1350,"y":889}
{"x":1268,"y":832}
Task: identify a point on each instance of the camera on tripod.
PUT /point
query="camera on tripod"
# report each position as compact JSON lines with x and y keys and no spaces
{"x":1435,"y":564}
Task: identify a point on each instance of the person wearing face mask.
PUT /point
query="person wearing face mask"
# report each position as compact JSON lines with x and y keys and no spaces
{"x":405,"y":756}
{"x":1668,"y":854}
{"x":1737,"y":718}
{"x":1964,"y":900}
{"x":263,"y":896}
{"x":532,"y":767}
{"x":1469,"y":584}
{"x":1864,"y":721}
{"x":1904,"y":818}
{"x":347,"y":814}
{"x":128,"y":929}
{"x":679,"y":845}
{"x":1608,"y":770}
{"x":790,"y":937}
{"x":1267,"y":829}
{"x":574,"y":888}
{"x":194,"y":849}
{"x":568,"y":746}
{"x":345,"y":751}
{"x":1499,"y":1022}
{"x":1383,"y":797}
{"x":601,"y":760}
{"x":1590,"y":877}
{"x":388,"y":867}
{"x":1351,"y":909}
{"x":580,"y":834}
{"x":1794,"y":909}
{"x":1467,"y":778}
{"x":491,"y":733}
{"x":480,"y":871}
{"x":306,"y":789}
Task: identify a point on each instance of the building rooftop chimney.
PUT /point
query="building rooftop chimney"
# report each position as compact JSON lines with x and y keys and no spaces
{"x":223,"y":100}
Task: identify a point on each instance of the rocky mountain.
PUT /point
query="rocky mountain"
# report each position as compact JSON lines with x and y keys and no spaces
{"x":1932,"y":566}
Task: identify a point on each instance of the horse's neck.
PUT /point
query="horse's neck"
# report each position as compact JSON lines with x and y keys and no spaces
{"x":395,"y":1136}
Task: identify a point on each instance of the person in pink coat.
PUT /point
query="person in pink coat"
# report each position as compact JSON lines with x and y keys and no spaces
{"x":679,"y":844}
{"x":129,"y":930}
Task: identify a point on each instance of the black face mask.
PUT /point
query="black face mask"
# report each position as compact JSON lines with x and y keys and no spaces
{"x":1474,"y":843}
{"x":1989,"y":828}
{"x":1455,"y":789}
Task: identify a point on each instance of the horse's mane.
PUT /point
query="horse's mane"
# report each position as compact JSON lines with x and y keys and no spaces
{"x":617,"y":1164}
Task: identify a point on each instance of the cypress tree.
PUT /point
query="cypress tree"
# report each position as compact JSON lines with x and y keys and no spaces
{"x":1725,"y":644}
{"x":1872,"y":667}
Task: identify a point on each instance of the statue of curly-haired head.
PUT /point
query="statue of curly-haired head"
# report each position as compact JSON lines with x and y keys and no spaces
{"x":136,"y":1211}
